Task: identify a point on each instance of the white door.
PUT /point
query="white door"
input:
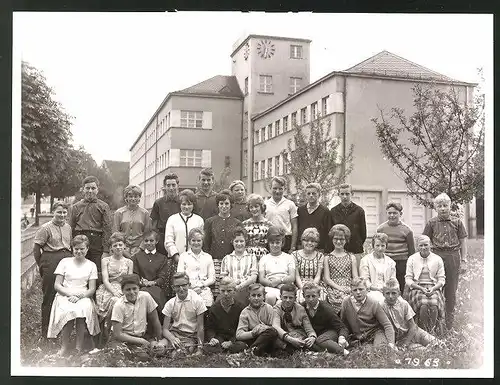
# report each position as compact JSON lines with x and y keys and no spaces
{"x":413,"y":213}
{"x":370,"y":202}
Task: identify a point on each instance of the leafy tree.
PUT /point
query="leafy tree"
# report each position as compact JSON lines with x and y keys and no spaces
{"x":315,"y":156}
{"x":440,"y":147}
{"x":45,"y":134}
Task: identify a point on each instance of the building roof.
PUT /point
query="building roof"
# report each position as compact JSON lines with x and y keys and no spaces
{"x":389,"y":64}
{"x":119,"y":171}
{"x":219,"y":85}
{"x":240,"y":42}
{"x":382,"y":65}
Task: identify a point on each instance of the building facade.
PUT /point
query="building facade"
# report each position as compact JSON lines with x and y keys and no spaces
{"x":247,"y":119}
{"x":189,"y":131}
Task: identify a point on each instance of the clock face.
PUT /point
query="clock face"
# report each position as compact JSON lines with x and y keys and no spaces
{"x":246,"y":51}
{"x":265,"y":49}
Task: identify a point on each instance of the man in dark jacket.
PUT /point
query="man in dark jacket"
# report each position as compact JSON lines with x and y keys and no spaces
{"x":353,"y":216}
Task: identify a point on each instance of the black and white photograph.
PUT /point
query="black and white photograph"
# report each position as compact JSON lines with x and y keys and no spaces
{"x":241,"y":194}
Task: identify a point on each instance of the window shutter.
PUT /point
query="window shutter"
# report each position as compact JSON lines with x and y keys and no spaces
{"x":175,"y":118}
{"x":336,"y":103}
{"x":206,"y":158}
{"x":207,"y":120}
{"x":175,"y":155}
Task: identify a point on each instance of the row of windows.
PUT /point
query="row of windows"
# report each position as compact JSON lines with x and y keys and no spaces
{"x":163,"y":125}
{"x":266,"y":169}
{"x":266,"y":84}
{"x":137,"y":152}
{"x":266,"y":133}
{"x":163,"y":161}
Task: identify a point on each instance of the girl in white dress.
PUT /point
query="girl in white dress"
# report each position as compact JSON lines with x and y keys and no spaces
{"x":75,"y":285}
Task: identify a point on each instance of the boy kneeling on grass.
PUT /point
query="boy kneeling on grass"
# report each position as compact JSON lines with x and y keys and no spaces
{"x":291,"y":322}
{"x":401,"y":316}
{"x":255,"y":323}
{"x":134,"y":318}
{"x":185,"y":310}
{"x":222,"y":321}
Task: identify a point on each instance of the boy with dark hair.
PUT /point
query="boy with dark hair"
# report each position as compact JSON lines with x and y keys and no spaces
{"x":291,"y":321}
{"x":92,"y":217}
{"x":134,"y":314}
{"x":222,"y":321}
{"x":164,"y":207}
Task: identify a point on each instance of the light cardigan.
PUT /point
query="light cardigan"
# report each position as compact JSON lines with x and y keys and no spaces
{"x":415,"y":264}
{"x":176,"y":232}
{"x":367,"y":269}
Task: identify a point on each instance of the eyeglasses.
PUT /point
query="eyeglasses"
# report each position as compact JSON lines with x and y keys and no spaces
{"x":179,"y":286}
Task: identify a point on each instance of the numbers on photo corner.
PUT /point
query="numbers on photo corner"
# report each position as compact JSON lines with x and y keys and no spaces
{"x":428,"y":363}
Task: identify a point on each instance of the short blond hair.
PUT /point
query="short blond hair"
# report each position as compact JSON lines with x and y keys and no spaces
{"x":443,"y":197}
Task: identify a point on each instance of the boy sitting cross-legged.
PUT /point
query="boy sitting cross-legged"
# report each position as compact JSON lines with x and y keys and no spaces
{"x":255,"y":324}
{"x":133,"y":313}
{"x":291,"y":322}
{"x":222,"y":321}
{"x":401,"y":315}
{"x":183,"y":322}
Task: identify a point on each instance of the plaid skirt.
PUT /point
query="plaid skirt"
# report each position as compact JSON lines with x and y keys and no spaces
{"x":417,"y":298}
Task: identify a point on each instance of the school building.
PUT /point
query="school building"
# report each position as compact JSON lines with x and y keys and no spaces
{"x":245,"y":121}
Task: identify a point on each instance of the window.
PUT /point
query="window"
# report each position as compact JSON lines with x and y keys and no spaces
{"x":263,"y":169}
{"x":168,"y":120}
{"x":265,"y":83}
{"x":294,"y":85}
{"x":324,"y":106}
{"x":192,"y":119}
{"x":314,"y":111}
{"x":277,"y":128}
{"x":245,"y":163}
{"x":294,"y":119}
{"x":245,"y":125}
{"x":285,"y":164}
{"x":303,"y":117}
{"x":285,"y":124}
{"x":295,"y":51}
{"x":256,"y":171}
{"x":276,"y":165}
{"x":263,"y":134}
{"x":270,"y":131}
{"x":269,"y":167}
{"x":190,"y":158}
{"x":246,"y":86}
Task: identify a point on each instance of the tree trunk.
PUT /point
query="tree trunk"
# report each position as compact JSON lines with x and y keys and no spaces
{"x":51,"y":201}
{"x":38,"y":195}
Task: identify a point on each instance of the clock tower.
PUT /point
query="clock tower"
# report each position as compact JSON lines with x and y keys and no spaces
{"x":268,"y":70}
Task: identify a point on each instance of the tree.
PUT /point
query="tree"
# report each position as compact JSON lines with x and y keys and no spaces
{"x":45,"y":134}
{"x":440,"y":147}
{"x":317,"y":157}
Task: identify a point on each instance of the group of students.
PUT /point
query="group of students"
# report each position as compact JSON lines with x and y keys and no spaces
{"x":197,"y":276}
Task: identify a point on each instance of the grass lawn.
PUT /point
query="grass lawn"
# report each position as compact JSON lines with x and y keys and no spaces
{"x":462,"y":347}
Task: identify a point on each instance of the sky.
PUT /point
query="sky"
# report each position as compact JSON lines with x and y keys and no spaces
{"x":111,"y":71}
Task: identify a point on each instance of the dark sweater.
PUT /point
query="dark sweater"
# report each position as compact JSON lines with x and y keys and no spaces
{"x":353,"y":216}
{"x":325,"y":319}
{"x":222,"y":325}
{"x":320,"y":219}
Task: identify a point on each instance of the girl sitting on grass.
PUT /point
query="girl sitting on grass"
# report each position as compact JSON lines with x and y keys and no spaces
{"x":113,"y":268}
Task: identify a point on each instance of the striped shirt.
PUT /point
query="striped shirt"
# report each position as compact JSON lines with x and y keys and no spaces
{"x":239,"y":268}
